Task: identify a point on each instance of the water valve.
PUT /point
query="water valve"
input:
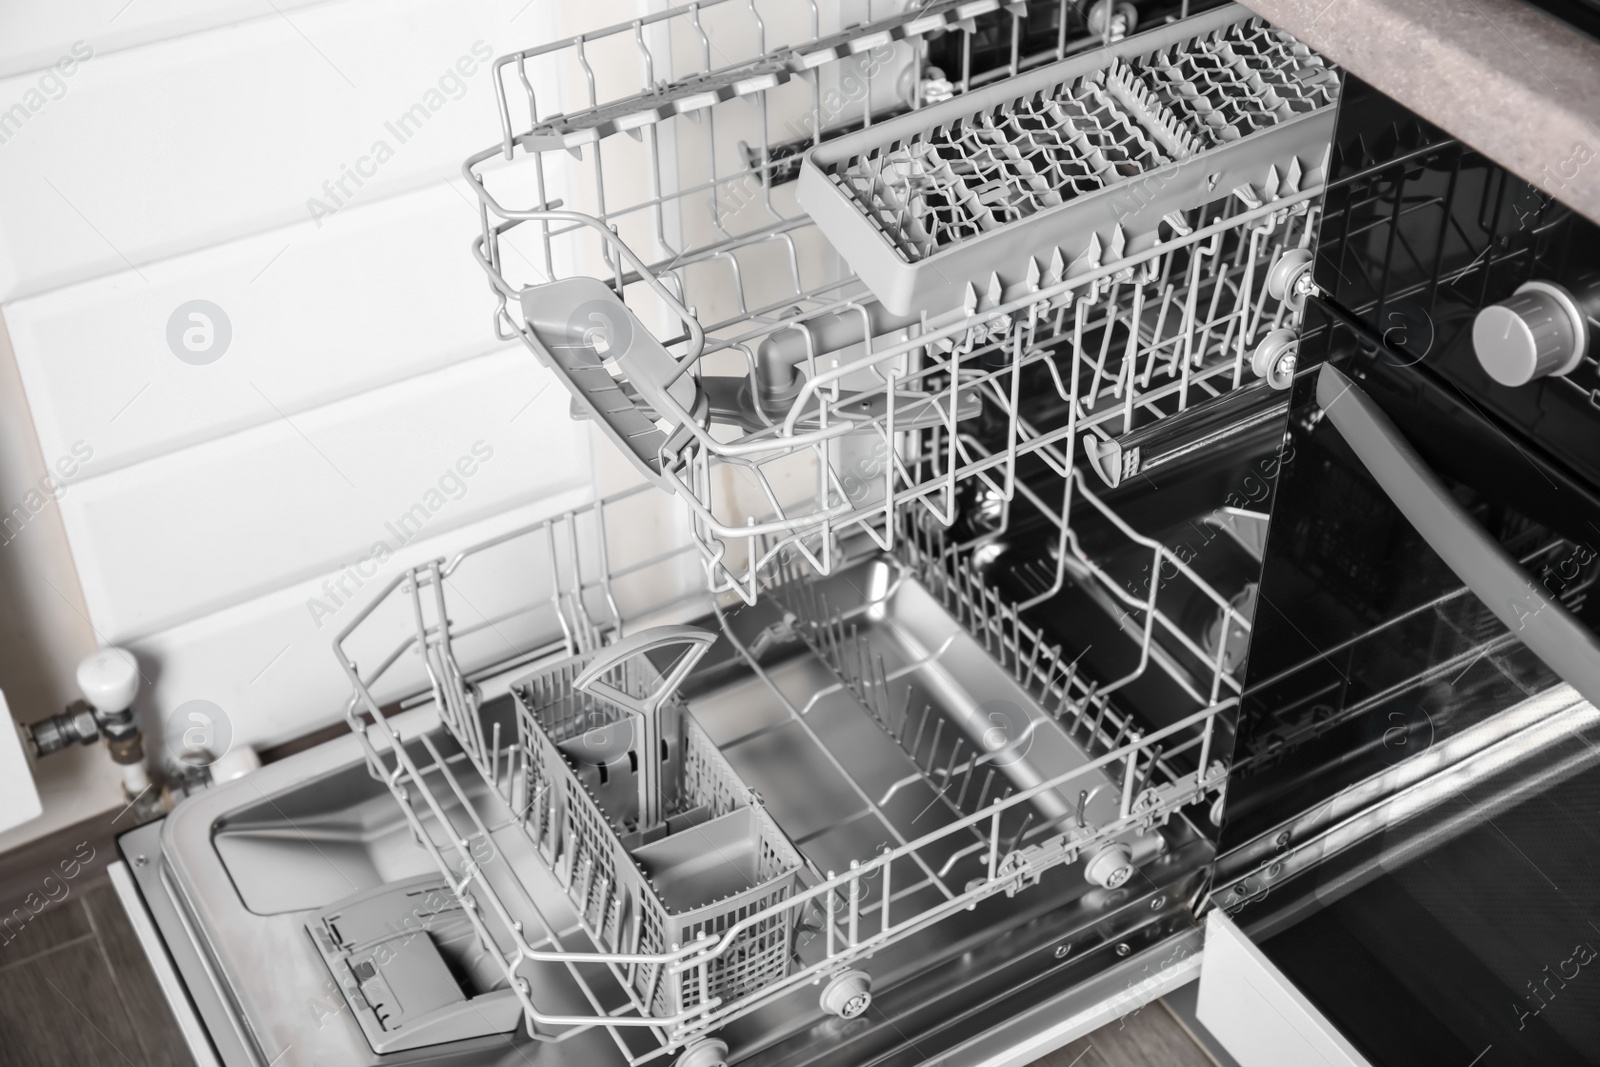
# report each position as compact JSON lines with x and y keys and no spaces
{"x":109,"y":680}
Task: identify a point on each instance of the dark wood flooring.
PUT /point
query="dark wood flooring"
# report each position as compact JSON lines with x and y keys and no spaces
{"x":75,"y":990}
{"x":1149,"y":1037}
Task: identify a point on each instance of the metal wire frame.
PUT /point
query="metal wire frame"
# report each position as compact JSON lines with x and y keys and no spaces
{"x":848,"y":936}
{"x":1077,"y":702}
{"x":1155,"y":376}
{"x":583,"y":611}
{"x":581,"y":607}
{"x":426,"y":785}
{"x":937,"y":364}
{"x":517,"y":73}
{"x":1158,"y":373}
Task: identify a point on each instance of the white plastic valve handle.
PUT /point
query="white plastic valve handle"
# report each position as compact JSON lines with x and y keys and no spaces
{"x":109,"y":679}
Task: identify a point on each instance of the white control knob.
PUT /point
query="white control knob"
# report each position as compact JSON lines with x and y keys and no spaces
{"x":1536,"y":331}
{"x":109,"y":680}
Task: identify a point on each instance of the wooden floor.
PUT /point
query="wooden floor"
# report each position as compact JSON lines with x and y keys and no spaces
{"x":75,"y":990}
{"x":1149,"y":1037}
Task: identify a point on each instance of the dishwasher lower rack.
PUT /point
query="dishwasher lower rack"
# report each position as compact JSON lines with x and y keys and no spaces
{"x":547,"y":800}
{"x":702,"y":320}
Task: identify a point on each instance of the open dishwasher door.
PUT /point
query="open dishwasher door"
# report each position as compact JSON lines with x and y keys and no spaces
{"x":1407,"y":873}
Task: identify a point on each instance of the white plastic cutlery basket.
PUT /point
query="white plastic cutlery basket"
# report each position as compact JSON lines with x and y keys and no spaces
{"x":654,"y":853}
{"x":1089,"y":156}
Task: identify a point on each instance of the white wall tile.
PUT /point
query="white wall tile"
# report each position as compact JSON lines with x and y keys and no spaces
{"x":381,"y":292}
{"x":158,"y":150}
{"x":193,"y":531}
{"x":36,"y":33}
{"x":268,"y":663}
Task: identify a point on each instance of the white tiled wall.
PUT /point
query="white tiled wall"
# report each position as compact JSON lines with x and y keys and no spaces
{"x":158,"y":152}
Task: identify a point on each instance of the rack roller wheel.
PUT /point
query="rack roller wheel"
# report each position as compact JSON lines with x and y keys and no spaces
{"x":1113,"y":19}
{"x":1289,"y":279}
{"x":848,"y":994}
{"x":1110,"y":868}
{"x":1274,"y":357}
{"x":706,"y":1052}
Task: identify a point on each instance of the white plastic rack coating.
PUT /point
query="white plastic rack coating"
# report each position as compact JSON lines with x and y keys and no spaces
{"x":1127,"y":332}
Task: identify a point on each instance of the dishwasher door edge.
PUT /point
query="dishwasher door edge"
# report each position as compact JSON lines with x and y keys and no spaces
{"x":1256,"y":1012}
{"x":195,"y":1035}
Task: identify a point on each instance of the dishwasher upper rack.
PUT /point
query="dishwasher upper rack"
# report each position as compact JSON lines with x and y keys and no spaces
{"x":739,"y":292}
{"x":452,"y":822}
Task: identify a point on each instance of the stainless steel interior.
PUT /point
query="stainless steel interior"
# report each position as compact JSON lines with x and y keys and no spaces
{"x":249,"y":861}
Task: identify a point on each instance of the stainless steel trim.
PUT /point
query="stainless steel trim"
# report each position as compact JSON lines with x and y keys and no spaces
{"x":1416,"y":799}
{"x":1305,"y":826}
{"x":172,"y":987}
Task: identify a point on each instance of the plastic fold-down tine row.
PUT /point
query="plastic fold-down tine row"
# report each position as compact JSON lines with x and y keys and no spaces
{"x":1246,"y":79}
{"x":657,"y":103}
{"x":1002,"y":167}
{"x":1097,"y":151}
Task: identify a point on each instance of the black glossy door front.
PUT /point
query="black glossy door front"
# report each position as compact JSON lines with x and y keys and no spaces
{"x":1462,"y":935}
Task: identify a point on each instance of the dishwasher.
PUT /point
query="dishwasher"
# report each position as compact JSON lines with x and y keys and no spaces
{"x":972,"y":351}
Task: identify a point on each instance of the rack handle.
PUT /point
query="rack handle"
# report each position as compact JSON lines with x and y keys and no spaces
{"x":1541,"y":623}
{"x":648,"y":707}
{"x":639,"y":644}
